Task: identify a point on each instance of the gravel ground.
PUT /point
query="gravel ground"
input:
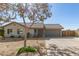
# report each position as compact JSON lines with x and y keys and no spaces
{"x":54,"y":46}
{"x":9,"y":47}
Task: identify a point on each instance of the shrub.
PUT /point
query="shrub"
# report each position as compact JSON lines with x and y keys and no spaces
{"x":1,"y":32}
{"x":12,"y":36}
{"x":26,"y":49}
{"x":19,"y":36}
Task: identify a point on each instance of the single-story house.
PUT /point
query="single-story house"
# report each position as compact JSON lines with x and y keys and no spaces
{"x":37,"y":30}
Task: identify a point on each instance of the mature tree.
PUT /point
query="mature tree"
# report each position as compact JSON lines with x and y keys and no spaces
{"x":5,"y":14}
{"x":34,"y":12}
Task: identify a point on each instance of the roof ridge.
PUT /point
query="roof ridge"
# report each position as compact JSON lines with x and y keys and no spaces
{"x":52,"y":24}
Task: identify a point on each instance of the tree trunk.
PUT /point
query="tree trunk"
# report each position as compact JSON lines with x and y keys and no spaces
{"x":43,"y":30}
{"x":25,"y":38}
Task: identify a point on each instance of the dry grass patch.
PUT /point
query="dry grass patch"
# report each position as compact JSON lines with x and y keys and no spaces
{"x":10,"y":46}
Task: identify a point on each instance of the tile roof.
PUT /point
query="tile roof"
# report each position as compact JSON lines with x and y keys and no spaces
{"x":40,"y":25}
{"x":53,"y":26}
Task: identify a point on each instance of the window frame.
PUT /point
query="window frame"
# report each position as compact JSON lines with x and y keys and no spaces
{"x":9,"y":31}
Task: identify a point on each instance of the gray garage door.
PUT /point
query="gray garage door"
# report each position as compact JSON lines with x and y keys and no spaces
{"x":51,"y":33}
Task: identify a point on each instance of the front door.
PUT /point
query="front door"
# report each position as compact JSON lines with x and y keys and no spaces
{"x":38,"y":32}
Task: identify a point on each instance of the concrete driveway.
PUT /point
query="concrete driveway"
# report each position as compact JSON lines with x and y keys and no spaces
{"x":67,"y":46}
{"x":64,"y":42}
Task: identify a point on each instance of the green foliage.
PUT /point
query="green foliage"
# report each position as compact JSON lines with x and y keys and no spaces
{"x":1,"y":19}
{"x":26,"y":49}
{"x":1,"y":32}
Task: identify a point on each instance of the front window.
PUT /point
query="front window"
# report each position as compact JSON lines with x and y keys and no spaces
{"x":19,"y":31}
{"x":9,"y":31}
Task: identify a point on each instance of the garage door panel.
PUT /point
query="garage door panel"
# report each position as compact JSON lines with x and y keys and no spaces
{"x":51,"y":33}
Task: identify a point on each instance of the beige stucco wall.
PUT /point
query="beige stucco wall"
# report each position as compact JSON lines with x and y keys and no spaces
{"x":15,"y":27}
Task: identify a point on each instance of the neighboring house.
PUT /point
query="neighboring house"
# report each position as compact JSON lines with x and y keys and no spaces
{"x":37,"y":30}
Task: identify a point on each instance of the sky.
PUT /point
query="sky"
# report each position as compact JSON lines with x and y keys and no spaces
{"x":65,"y":14}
